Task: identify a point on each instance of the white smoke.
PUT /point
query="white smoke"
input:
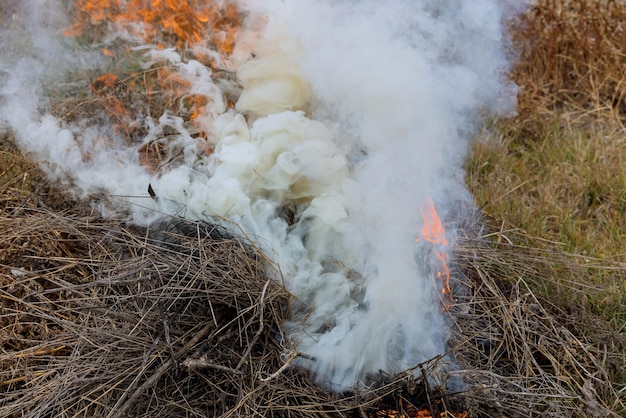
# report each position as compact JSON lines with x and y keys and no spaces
{"x":351,"y":113}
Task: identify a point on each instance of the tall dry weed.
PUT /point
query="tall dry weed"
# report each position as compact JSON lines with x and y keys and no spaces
{"x":571,"y":58}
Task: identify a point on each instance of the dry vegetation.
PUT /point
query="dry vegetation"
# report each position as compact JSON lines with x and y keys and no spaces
{"x":555,"y":172}
{"x":103,"y":319}
{"x":99,"y":318}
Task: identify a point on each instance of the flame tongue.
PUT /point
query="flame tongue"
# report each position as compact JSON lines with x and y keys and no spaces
{"x":434,"y":232}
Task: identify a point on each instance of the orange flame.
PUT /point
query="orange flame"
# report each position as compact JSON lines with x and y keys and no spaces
{"x":165,"y":23}
{"x":434,"y":232}
{"x":106,"y":89}
{"x":185,"y":22}
{"x":409,"y":411}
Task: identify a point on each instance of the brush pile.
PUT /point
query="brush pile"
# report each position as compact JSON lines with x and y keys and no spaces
{"x":101,"y":319}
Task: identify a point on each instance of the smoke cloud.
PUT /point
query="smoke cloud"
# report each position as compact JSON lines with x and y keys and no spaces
{"x":351,"y":114}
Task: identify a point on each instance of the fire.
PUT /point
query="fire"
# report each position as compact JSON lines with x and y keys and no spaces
{"x":434,"y":232}
{"x":178,"y":24}
{"x":176,"y":88}
{"x":409,"y":411}
{"x":185,"y":22}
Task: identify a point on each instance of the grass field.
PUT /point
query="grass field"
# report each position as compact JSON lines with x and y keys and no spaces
{"x":550,"y":183}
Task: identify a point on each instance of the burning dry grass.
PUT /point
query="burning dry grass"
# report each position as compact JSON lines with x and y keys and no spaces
{"x":102,"y":319}
{"x":181,"y":22}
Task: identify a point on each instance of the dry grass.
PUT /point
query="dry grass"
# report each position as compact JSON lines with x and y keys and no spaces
{"x":532,"y":356}
{"x":571,"y":58}
{"x":568,"y":191}
{"x":100,"y":319}
{"x":555,"y":171}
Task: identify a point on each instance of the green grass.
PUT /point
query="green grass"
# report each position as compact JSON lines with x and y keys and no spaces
{"x":565,"y":188}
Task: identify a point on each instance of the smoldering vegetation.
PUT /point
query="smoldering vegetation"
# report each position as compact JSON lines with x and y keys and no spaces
{"x":145,"y":105}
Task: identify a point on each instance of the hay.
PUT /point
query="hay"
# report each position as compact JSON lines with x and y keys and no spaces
{"x":570,"y":62}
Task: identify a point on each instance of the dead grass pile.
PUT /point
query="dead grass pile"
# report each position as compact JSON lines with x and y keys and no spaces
{"x":101,"y":319}
{"x":94,"y":316}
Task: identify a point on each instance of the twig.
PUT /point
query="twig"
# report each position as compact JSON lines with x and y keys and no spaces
{"x":161,"y":371}
{"x":260,"y":330}
{"x":274,"y":375}
{"x":203,"y":363}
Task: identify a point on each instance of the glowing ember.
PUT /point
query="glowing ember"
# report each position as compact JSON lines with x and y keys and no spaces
{"x":414,"y":413}
{"x":434,"y":232}
{"x":423,"y":413}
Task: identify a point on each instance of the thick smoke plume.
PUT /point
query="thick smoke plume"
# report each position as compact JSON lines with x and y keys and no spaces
{"x":349,"y":116}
